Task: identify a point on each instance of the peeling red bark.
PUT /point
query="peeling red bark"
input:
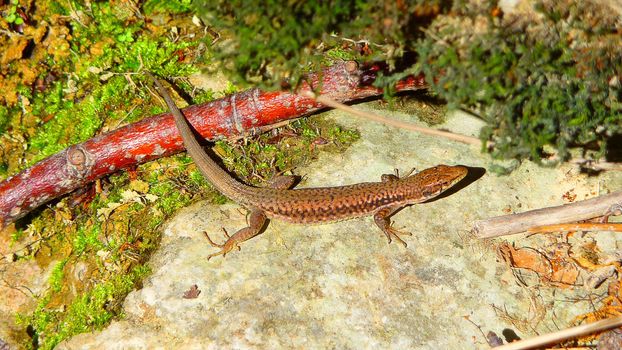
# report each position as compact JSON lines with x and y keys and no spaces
{"x":154,"y":137}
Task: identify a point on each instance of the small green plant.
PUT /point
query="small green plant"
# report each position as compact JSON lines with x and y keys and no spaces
{"x":11,"y":15}
{"x":56,"y":276}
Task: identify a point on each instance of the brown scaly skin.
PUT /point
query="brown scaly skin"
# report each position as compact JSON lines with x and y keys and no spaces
{"x":315,"y":205}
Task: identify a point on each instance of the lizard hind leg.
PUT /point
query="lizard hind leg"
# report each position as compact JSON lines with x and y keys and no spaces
{"x":383,"y":221}
{"x":257,"y":221}
{"x":283,"y":182}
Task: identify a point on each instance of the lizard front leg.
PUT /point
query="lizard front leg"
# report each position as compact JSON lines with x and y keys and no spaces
{"x":283,"y":182}
{"x":382,"y":219}
{"x":255,"y":223}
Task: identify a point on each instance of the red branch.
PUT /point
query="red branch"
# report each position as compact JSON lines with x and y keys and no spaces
{"x":154,"y":137}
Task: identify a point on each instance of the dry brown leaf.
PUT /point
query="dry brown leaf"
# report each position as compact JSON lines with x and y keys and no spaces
{"x":555,"y":267}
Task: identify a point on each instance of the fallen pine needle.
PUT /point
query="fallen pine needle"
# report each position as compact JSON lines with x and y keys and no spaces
{"x":400,"y":124}
{"x":564,"y":334}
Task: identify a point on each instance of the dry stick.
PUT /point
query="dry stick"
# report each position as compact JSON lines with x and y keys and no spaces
{"x":404,"y":125}
{"x":515,"y":223}
{"x":564,"y":334}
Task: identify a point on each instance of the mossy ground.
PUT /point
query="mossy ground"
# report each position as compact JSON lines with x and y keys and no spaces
{"x":544,"y":77}
{"x":66,"y":75}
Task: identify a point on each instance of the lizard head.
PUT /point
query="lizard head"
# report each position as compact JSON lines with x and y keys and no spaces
{"x":436,"y":180}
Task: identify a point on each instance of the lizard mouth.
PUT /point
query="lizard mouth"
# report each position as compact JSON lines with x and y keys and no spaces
{"x":434,"y":191}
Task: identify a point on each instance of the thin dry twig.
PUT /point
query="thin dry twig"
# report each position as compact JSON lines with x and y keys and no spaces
{"x":515,"y":223}
{"x":400,"y":124}
{"x":587,"y":226}
{"x":564,"y":334}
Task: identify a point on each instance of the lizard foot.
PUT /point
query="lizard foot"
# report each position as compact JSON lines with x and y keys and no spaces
{"x":395,"y":233}
{"x":256,"y":222}
{"x":381,"y":218}
{"x":614,"y":210}
{"x":224,"y":248}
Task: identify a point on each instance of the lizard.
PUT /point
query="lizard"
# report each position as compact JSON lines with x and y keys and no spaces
{"x":313,"y":205}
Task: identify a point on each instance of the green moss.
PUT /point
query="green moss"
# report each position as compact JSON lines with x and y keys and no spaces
{"x":343,"y":136}
{"x":535,"y":87}
{"x":259,"y":159}
{"x":4,"y":119}
{"x":17,"y":235}
{"x":95,"y":92}
{"x":176,"y":6}
{"x":196,"y":178}
{"x":339,"y":54}
{"x":56,"y":276}
{"x":63,"y":131}
{"x":157,"y":56}
{"x":116,"y":21}
{"x":171,"y":198}
{"x":87,"y":238}
{"x":90,"y":311}
{"x":230,"y":88}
